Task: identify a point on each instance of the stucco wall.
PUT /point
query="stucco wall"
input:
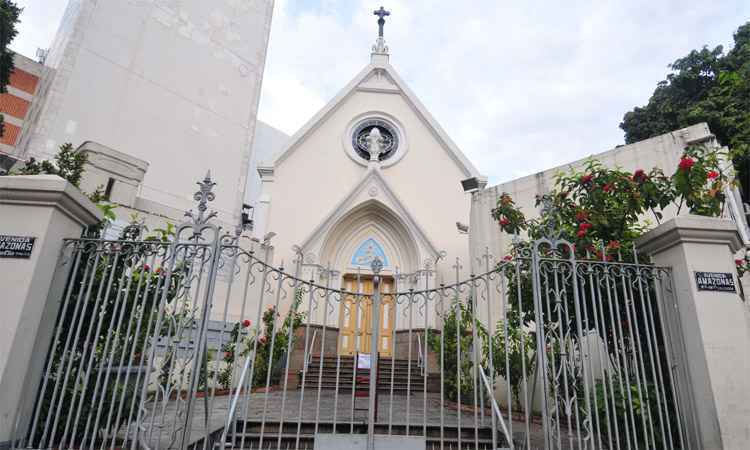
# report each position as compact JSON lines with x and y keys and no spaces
{"x":661,"y":151}
{"x":177,"y":88}
{"x":309,"y":183}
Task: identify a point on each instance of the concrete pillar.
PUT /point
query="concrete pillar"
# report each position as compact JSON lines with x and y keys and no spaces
{"x":49,"y":209}
{"x":715,"y":332}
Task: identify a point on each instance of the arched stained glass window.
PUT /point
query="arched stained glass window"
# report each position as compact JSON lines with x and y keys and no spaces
{"x":367,"y":251}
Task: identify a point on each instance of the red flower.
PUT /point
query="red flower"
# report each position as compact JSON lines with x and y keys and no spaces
{"x":246,"y":323}
{"x":613,"y":245}
{"x":607,"y":187}
{"x":686,"y":163}
{"x":504,"y":221}
{"x":584,"y":226}
{"x":581,"y":234}
{"x":639,"y":175}
{"x":146,"y":267}
{"x":739,"y":262}
{"x":586,"y":179}
{"x":507,"y":258}
{"x":712,"y":175}
{"x":263,"y":339}
{"x":228,"y":355}
{"x":582,"y":215}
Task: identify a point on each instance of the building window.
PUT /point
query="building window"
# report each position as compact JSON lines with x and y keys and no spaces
{"x":388,"y":133}
{"x":367,"y":252}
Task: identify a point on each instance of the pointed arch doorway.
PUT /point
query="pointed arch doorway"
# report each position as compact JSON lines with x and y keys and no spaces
{"x":369,"y":230}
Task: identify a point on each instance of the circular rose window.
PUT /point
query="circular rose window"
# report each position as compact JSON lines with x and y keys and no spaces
{"x":375,"y":132}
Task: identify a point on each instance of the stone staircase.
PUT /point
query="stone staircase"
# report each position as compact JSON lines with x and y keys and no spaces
{"x":406,"y":375}
{"x":247,"y":435}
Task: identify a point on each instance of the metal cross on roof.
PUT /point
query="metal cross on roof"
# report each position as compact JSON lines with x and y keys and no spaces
{"x":381,"y":13}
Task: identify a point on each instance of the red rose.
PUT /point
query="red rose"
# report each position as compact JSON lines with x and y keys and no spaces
{"x":581,"y":216}
{"x":739,"y":262}
{"x":581,"y":233}
{"x":263,"y":339}
{"x":686,"y":163}
{"x":639,"y":175}
{"x":586,"y":179}
{"x":607,"y":187}
{"x":228,"y":355}
{"x":504,"y":221}
{"x":507,"y":258}
{"x":614,"y":245}
{"x":246,"y":323}
{"x":146,"y":267}
{"x":712,"y":175}
{"x":584,"y":226}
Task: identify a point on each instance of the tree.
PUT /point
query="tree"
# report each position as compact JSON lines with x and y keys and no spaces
{"x":69,"y":164}
{"x":9,"y":13}
{"x":704,"y":86}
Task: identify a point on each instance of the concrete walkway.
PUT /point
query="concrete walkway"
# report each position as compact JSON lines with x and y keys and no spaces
{"x":415,"y":410}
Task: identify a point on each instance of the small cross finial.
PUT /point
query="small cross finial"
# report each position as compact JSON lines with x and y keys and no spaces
{"x":381,"y":13}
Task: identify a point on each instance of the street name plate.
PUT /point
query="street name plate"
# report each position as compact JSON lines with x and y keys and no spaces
{"x":715,"y":281}
{"x":16,"y":246}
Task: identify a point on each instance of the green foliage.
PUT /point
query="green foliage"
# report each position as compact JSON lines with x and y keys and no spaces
{"x":514,"y":355}
{"x":9,"y":13}
{"x":458,"y":337}
{"x":704,"y":86}
{"x":626,"y":408}
{"x":600,"y":208}
{"x":743,"y":266}
{"x":242,"y":343}
{"x":293,"y":319}
{"x":120,"y":284}
{"x":68,"y":164}
{"x":508,"y":216}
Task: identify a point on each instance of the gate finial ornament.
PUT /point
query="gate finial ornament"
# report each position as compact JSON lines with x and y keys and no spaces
{"x":204,"y":195}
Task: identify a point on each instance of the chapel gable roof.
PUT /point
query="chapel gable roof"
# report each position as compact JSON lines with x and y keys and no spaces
{"x":378,"y":77}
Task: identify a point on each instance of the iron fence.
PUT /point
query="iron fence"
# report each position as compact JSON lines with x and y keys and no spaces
{"x":540,"y":350}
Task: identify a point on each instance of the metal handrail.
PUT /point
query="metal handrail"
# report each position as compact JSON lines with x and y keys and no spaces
{"x":420,"y":358}
{"x":496,"y":408}
{"x":235,"y":399}
{"x":308,"y":358}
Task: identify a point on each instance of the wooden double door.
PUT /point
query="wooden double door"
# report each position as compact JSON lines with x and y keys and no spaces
{"x":356,"y":317}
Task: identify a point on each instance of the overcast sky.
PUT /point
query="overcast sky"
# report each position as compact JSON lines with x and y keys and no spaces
{"x":520,"y":86}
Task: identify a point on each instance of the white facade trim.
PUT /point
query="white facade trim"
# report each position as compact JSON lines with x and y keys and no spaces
{"x":383,"y":191}
{"x":353,"y":86}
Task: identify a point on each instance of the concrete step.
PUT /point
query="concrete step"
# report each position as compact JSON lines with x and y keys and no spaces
{"x":276,"y":436}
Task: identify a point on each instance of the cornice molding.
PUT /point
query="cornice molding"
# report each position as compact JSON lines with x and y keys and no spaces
{"x":690,"y":229}
{"x":50,"y":191}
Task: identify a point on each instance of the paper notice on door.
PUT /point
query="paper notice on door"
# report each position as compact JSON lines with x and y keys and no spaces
{"x":363,"y":361}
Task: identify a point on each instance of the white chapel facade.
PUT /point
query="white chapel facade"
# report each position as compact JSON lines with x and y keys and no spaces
{"x":372,"y":174}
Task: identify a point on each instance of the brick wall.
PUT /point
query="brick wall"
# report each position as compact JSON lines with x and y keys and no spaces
{"x":14,"y":106}
{"x":24,"y":81}
{"x":10,"y":135}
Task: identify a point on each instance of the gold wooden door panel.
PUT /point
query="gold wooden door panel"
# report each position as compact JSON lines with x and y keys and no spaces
{"x":355,"y":318}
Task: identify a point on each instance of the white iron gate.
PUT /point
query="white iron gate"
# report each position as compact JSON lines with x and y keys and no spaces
{"x":542,"y":350}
